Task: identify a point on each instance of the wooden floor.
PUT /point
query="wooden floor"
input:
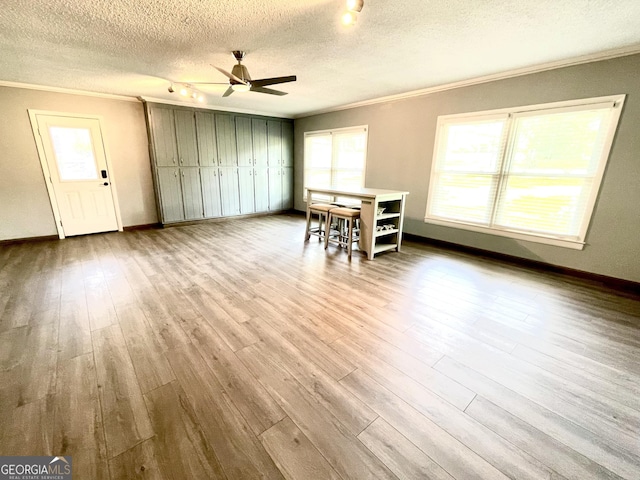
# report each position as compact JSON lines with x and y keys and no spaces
{"x":235,"y":350}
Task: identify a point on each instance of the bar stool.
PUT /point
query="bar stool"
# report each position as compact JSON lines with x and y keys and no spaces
{"x":349,"y":215}
{"x":322,"y":210}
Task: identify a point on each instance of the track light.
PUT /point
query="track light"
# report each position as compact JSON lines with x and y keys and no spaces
{"x":350,"y":16}
{"x":186,"y":90}
{"x":355,"y":5}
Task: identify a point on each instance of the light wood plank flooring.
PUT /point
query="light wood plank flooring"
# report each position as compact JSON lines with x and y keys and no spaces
{"x":234,"y":350}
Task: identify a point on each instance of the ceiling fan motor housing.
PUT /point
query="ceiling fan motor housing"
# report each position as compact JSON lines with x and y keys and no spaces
{"x":241,"y":72}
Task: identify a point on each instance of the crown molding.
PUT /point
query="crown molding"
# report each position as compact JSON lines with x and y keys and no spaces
{"x":594,"y":57}
{"x":69,"y":91}
{"x":214,"y":107}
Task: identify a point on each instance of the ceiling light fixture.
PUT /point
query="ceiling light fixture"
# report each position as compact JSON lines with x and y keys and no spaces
{"x":350,"y":16}
{"x":355,"y":5}
{"x":186,"y":90}
{"x":240,"y":87}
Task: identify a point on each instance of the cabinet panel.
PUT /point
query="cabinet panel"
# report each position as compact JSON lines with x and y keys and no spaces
{"x":247,"y":197}
{"x":164,"y":137}
{"x":210,"y":192}
{"x":259,"y":133}
{"x":191,"y":193}
{"x":170,"y":194}
{"x":287,"y":144}
{"x":206,"y":132}
{"x":229,"y":191}
{"x":275,"y":189}
{"x":274,"y":142}
{"x":244,"y":141}
{"x":186,"y":137}
{"x":226,"y":140}
{"x":287,"y":188}
{"x":261,"y":183}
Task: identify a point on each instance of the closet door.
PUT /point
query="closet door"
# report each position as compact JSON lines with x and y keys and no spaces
{"x":261,"y":183}
{"x":275,"y":189}
{"x":163,"y":135}
{"x":186,"y":137}
{"x":244,"y":142}
{"x":171,"y":206}
{"x":229,"y":191}
{"x":274,"y":143}
{"x":191,"y":193}
{"x":247,"y":196}
{"x":287,"y":188}
{"x":287,"y":144}
{"x":206,"y":133}
{"x":226,"y":140}
{"x":259,"y":134}
{"x":210,"y":192}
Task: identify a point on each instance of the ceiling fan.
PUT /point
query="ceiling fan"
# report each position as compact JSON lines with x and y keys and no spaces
{"x":240,"y":80}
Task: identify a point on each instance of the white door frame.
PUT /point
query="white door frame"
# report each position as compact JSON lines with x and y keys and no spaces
{"x":46,"y":168}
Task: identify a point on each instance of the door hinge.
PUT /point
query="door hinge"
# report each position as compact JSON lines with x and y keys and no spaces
{"x":61,"y":223}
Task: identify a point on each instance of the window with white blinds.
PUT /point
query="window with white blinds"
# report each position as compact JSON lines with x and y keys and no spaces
{"x":335,"y":158}
{"x":530,"y":172}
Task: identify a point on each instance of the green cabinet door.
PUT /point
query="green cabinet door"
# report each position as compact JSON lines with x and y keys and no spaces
{"x":261,"y":188}
{"x":171,"y":205}
{"x":191,"y":193}
{"x":274,"y":142}
{"x":244,"y":142}
{"x":163,"y":135}
{"x":246,"y":184}
{"x":229,"y":191}
{"x":206,"y":133}
{"x":226,"y":140}
{"x":186,"y":138}
{"x":210,"y":192}
{"x":275,"y":189}
{"x":259,"y":135}
{"x":287,"y":144}
{"x":287,"y":188}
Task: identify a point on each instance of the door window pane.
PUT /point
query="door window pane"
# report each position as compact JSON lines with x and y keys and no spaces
{"x":74,"y":153}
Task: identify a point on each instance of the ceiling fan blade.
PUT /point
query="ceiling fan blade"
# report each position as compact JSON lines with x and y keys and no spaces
{"x":228,"y":92}
{"x":208,"y":83}
{"x":270,"y":91}
{"x":231,"y":76}
{"x":263,"y":82}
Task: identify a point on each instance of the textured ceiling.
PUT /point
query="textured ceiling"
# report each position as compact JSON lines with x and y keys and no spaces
{"x":136,"y":47}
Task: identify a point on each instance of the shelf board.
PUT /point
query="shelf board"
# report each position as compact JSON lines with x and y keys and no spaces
{"x":382,"y":216}
{"x":383,"y":247}
{"x":382,"y":233}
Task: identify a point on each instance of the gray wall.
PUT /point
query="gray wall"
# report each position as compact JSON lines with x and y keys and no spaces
{"x":25,"y":210}
{"x":401,"y":140}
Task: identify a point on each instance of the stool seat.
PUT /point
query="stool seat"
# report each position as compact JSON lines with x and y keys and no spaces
{"x":345,"y":212}
{"x":321,"y":207}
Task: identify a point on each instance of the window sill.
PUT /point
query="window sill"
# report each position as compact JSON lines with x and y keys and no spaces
{"x":557,"y":242}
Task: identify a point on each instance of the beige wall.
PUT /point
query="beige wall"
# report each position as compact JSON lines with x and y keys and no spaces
{"x":401,"y":139}
{"x":25,"y":210}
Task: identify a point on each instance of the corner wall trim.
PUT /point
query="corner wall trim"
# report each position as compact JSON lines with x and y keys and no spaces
{"x":605,"y":281}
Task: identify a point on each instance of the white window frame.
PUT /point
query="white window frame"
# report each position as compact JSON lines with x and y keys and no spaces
{"x":616,"y":101}
{"x":331,"y":131}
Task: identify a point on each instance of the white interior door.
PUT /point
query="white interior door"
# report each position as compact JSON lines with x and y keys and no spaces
{"x":75,"y":161}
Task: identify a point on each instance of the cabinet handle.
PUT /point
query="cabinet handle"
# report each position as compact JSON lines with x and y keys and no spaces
{"x":174,"y":160}
{"x":181,"y":161}
{"x":183,"y":174}
{"x":175,"y":174}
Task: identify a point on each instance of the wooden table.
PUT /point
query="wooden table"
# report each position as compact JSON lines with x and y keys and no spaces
{"x":372,"y":239}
